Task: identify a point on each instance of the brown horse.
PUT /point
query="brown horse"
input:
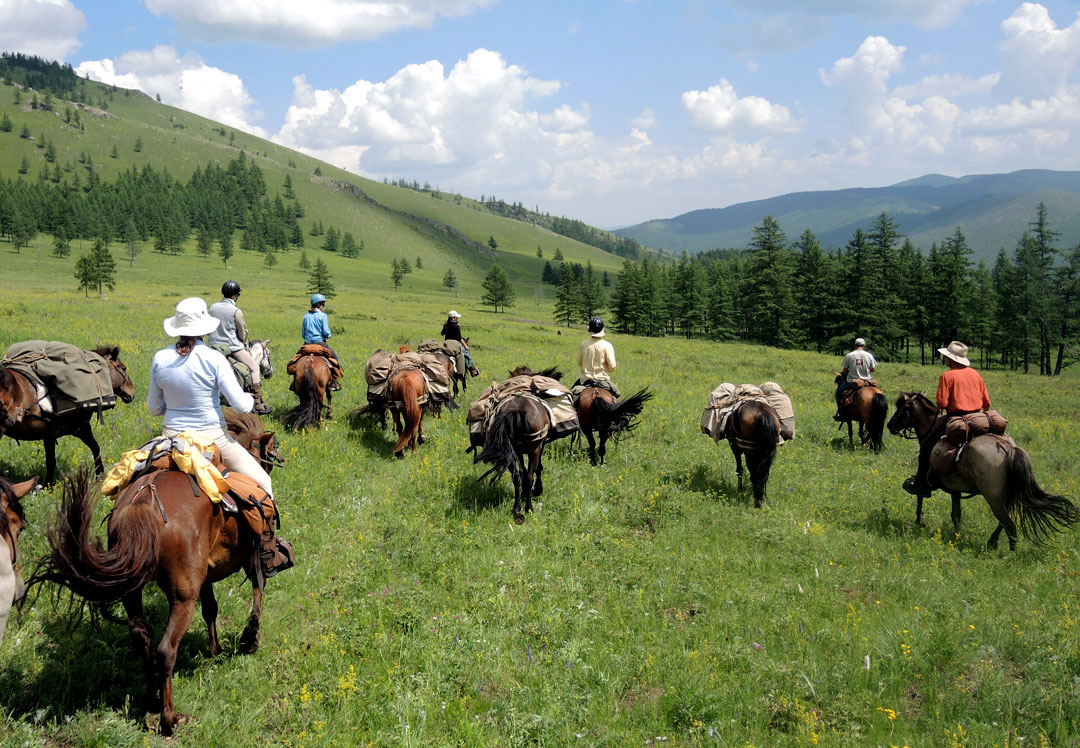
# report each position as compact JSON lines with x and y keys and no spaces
{"x":407,"y":387}
{"x":753,"y":429}
{"x":868,"y":407}
{"x":159,"y":530}
{"x":247,"y":429}
{"x":23,"y":418}
{"x":519,"y":428}
{"x":598,"y":410}
{"x":12,"y":521}
{"x":311,"y":383}
{"x":994,"y":467}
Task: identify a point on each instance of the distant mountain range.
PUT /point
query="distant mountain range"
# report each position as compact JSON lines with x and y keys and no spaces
{"x":992,"y":210}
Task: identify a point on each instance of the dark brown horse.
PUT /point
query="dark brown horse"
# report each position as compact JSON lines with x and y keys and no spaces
{"x":311,"y":383}
{"x":158,"y":530}
{"x":868,"y":407}
{"x":12,"y":521}
{"x":994,"y":467}
{"x":598,"y":410}
{"x":753,"y":429}
{"x":518,"y":429}
{"x":248,"y":431}
{"x":22,"y":417}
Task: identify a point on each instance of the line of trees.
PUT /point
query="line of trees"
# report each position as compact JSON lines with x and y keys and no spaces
{"x":1023,"y":312}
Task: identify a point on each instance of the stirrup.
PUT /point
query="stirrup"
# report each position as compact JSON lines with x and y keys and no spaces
{"x":915,"y":488}
{"x":284,"y":558}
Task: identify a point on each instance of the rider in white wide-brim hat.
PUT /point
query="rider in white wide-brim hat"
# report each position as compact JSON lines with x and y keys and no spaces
{"x":956,"y":351}
{"x":192,"y":319}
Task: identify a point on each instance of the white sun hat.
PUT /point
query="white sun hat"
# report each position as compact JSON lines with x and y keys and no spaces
{"x":453,"y":314}
{"x":957,"y":351}
{"x":192,"y":319}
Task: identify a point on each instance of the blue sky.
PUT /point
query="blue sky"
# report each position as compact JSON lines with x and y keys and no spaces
{"x":612,"y":111}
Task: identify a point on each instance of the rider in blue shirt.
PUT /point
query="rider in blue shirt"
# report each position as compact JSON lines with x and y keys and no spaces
{"x":316,"y":329}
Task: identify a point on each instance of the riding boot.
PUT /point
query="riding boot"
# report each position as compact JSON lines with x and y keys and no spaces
{"x":335,"y":384}
{"x":474,"y":370}
{"x":275,"y":554}
{"x":260,"y":405}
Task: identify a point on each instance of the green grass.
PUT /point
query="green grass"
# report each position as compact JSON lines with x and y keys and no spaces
{"x":644,"y":602}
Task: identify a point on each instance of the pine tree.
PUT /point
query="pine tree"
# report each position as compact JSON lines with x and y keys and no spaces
{"x":766,"y":286}
{"x":567,"y":299}
{"x":498,"y":289}
{"x":138,"y":144}
{"x":397,"y":273}
{"x":592,"y":295}
{"x":6,"y":125}
{"x":450,"y":281}
{"x":348,"y":245}
{"x":539,"y":252}
{"x":104,"y":266}
{"x":225,"y":244}
{"x":204,"y":243}
{"x":305,"y":264}
{"x":130,"y":236}
{"x":332,"y":241}
{"x":61,"y":244}
{"x":419,"y":263}
{"x":549,"y":275}
{"x":319,"y":280}
{"x":85,"y":274}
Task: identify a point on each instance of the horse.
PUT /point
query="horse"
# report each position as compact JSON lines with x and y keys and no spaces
{"x":994,"y":467}
{"x":407,"y":387}
{"x":598,"y":410}
{"x":159,"y":530}
{"x":311,"y":383}
{"x":753,"y":429}
{"x":12,"y":521}
{"x":247,"y":429}
{"x":518,"y":428}
{"x":868,"y":406}
{"x":23,"y":418}
{"x":260,"y":353}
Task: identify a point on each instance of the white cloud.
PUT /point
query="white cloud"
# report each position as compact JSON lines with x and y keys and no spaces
{"x":47,"y":28}
{"x":864,"y":77}
{"x":928,"y":14}
{"x":1055,"y":112}
{"x":1037,"y":56}
{"x":314,"y":22}
{"x":948,"y":84}
{"x":720,"y":109}
{"x":184,"y":82}
{"x":645,"y":120}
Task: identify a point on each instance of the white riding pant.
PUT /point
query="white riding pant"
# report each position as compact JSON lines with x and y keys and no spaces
{"x":7,"y":585}
{"x":234,"y":456}
{"x":244,"y":356}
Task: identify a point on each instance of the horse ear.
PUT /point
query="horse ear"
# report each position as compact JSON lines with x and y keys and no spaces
{"x":115,"y":352}
{"x":21,"y":489}
{"x":266,"y":438}
{"x":267,"y":342}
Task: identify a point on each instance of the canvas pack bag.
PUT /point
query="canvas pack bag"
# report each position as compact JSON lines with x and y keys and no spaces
{"x":74,"y":379}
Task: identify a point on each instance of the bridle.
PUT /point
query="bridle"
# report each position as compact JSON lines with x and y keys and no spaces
{"x":908,"y":431}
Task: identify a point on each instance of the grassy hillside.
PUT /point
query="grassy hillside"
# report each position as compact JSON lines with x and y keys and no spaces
{"x":644,"y":603}
{"x":180,"y":142}
{"x":993,"y":210}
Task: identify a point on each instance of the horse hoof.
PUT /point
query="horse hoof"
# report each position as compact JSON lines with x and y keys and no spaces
{"x":519,"y":519}
{"x":400,"y":454}
{"x":249,"y":643}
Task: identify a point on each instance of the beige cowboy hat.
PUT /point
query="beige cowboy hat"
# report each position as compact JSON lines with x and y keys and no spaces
{"x":192,"y":319}
{"x":957,"y":351}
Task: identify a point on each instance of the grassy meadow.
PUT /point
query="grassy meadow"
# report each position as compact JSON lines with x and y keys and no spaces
{"x":644,"y":603}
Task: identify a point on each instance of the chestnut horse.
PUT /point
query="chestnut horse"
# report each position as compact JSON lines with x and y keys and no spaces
{"x":868,"y":406}
{"x":247,"y":429}
{"x":159,"y":530}
{"x":12,"y":521}
{"x":407,"y":387}
{"x":598,"y":410}
{"x":519,"y":428}
{"x":23,"y":419}
{"x":311,"y":383}
{"x":753,"y":429}
{"x":994,"y":467}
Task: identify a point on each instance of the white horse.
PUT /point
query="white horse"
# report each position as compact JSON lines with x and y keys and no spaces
{"x":260,"y":352}
{"x":12,"y":589}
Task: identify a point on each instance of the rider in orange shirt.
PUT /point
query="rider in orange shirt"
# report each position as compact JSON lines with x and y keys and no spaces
{"x":960,"y":391}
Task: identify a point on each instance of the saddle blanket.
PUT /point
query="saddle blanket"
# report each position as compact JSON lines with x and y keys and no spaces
{"x":551,"y":393}
{"x":959,"y":431}
{"x":240,"y":369}
{"x":383,"y":365}
{"x":74,"y":379}
{"x":722,"y":401}
{"x":317,"y":349}
{"x":189,"y":452}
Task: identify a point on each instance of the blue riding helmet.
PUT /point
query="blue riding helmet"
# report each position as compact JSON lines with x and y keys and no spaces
{"x":317,"y":298}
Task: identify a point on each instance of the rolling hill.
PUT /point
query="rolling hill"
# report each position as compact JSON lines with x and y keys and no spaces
{"x":993,"y":210}
{"x":444,"y":230}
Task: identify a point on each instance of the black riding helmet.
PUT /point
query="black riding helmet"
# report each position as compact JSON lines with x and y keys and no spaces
{"x":596,"y":324}
{"x":229,"y":288}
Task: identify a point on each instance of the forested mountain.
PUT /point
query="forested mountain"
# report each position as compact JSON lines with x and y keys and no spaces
{"x":991,"y":210}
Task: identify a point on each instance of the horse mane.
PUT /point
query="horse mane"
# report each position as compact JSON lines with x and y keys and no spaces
{"x":7,"y":497}
{"x":243,"y":423}
{"x":108,"y":351}
{"x":404,"y":349}
{"x":526,"y":371}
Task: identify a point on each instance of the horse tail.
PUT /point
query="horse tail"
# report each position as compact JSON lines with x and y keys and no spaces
{"x":879,"y":408}
{"x":83,"y":565}
{"x":1039,"y":512}
{"x":407,"y":390}
{"x":499,"y":449}
{"x":620,"y":414}
{"x":760,"y":460}
{"x":309,"y":411}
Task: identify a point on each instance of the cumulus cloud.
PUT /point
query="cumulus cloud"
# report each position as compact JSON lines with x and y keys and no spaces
{"x":1037,"y":56}
{"x":47,"y":28}
{"x":720,"y":109}
{"x":311,"y":23}
{"x":864,"y":77}
{"x":948,"y":84}
{"x":645,"y":120}
{"x":928,"y":14}
{"x":185,"y":82}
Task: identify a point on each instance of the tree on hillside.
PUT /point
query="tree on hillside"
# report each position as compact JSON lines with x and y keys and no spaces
{"x":102,"y":268}
{"x":492,"y":243}
{"x":319,"y":280}
{"x":765,"y":293}
{"x":138,"y":144}
{"x":567,"y":298}
{"x":419,"y":263}
{"x":25,"y":132}
{"x":558,"y":256}
{"x":539,"y":252}
{"x":290,"y":194}
{"x":349,"y":247}
{"x":204,"y":243}
{"x":24,"y":165}
{"x":333,"y":240}
{"x":61,"y":243}
{"x":6,"y":124}
{"x":549,"y":275}
{"x":129,"y":235}
{"x":498,"y":291}
{"x":397,"y":273}
{"x":84,"y":273}
{"x":450,"y":281}
{"x":591,"y":298}
{"x":225,"y":244}
{"x":304,"y":263}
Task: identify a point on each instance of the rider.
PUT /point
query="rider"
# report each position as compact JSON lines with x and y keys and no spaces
{"x":451,"y":330}
{"x":596,"y":357}
{"x":859,"y":364}
{"x":187,"y":380}
{"x":316,"y":329}
{"x":960,"y":391}
{"x":233,"y":332}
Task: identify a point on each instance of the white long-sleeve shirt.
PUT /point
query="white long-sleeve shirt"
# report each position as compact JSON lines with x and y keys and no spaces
{"x":186,"y":389}
{"x":596,"y":357}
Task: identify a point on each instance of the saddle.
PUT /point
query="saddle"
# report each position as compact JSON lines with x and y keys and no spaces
{"x":959,"y":431}
{"x":605,"y":384}
{"x":857,"y":384}
{"x":316,"y":349}
{"x":551,"y":393}
{"x":240,"y":369}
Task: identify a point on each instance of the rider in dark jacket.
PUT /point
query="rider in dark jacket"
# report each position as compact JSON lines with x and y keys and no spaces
{"x":451,"y":330}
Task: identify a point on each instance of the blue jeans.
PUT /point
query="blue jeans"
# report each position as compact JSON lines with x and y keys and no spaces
{"x":844,"y":387}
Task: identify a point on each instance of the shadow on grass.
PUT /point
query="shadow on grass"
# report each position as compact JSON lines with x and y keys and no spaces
{"x":704,"y":479}
{"x":369,"y":431}
{"x":89,"y":662}
{"x":478,"y":496}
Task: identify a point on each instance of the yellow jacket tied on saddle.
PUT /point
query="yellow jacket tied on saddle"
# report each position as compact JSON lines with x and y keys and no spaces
{"x":188,"y":451}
